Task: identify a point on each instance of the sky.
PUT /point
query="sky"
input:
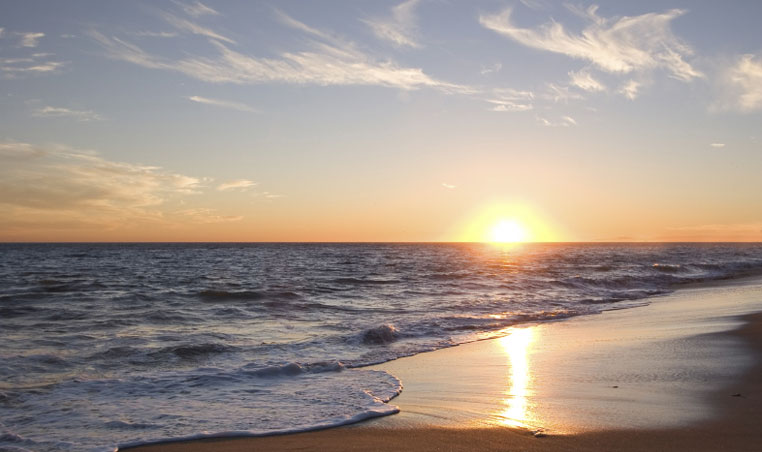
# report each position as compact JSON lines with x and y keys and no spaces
{"x":423,"y":120}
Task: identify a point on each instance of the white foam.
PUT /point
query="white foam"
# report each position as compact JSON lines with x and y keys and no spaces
{"x":98,"y":415}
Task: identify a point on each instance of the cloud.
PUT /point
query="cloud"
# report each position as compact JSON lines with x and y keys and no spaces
{"x":207,"y":216}
{"x":154,"y":34}
{"x":35,"y":64}
{"x":617,"y":45}
{"x":630,"y":89}
{"x":58,"y":112}
{"x":30,"y":39}
{"x":267,"y":195}
{"x":400,"y":28}
{"x":61,"y":178}
{"x":507,"y":100}
{"x":560,"y":93}
{"x":564,"y":121}
{"x":194,"y":28}
{"x":448,"y":186}
{"x":743,"y":83}
{"x":327,"y":61}
{"x":584,"y":81}
{"x":14,"y":151}
{"x":223,"y":103}
{"x":717,"y":145}
{"x":240,"y":184}
{"x":60,"y":187}
{"x":196,"y":9}
{"x":32,"y":63}
{"x":495,"y":68}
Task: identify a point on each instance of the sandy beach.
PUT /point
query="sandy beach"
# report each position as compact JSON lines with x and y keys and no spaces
{"x":682,"y":373}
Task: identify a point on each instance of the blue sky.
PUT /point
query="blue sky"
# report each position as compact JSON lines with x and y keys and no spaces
{"x":369,"y":120}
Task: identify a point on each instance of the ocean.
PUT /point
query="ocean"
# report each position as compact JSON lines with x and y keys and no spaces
{"x":107,"y":345}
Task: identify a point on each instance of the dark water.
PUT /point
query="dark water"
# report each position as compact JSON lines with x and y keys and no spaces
{"x":106,"y":344}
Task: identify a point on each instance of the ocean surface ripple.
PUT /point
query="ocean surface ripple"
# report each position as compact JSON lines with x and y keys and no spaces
{"x":114,"y":344}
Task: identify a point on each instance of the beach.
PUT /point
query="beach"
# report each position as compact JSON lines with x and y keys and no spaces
{"x":681,"y":373}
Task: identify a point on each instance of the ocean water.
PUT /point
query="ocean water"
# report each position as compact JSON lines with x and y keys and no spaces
{"x":115,"y":344}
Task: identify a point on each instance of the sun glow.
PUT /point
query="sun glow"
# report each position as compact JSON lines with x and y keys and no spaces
{"x":505,"y":223}
{"x":508,"y":231}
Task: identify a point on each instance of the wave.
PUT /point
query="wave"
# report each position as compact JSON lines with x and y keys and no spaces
{"x":190,"y":352}
{"x":365,"y":281}
{"x":370,"y":413}
{"x":12,"y":312}
{"x":668,"y":268}
{"x":294,"y":369}
{"x":124,"y":425}
{"x":250,"y":295}
{"x":383,"y":334}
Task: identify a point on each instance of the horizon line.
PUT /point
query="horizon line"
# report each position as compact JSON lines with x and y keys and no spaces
{"x":73,"y":242}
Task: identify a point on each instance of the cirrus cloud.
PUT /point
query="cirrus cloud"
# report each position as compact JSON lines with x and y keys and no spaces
{"x":742,"y":82}
{"x":239,"y":184}
{"x":59,"y":112}
{"x":400,"y":28}
{"x":223,"y":104}
{"x":616,"y":45}
{"x":326,"y":61}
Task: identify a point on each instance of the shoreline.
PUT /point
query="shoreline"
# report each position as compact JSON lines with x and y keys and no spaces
{"x":420,"y":427}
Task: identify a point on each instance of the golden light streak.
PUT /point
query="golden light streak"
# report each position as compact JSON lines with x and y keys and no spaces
{"x":516,"y":346}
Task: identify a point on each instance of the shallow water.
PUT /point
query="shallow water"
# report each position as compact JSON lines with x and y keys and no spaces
{"x":111,"y":344}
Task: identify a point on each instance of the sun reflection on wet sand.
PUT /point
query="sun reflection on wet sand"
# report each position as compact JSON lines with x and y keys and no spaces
{"x":517,"y":408}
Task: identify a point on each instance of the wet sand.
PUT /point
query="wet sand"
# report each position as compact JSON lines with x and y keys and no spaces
{"x":683,"y":373}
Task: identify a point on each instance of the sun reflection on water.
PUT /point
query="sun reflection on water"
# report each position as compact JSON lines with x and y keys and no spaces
{"x":516,"y":346}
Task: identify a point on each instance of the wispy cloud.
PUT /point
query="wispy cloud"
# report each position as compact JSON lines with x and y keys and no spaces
{"x":560,"y":93}
{"x":743,"y":85}
{"x":328,"y":61}
{"x":448,"y":186}
{"x":29,"y":39}
{"x":492,"y":69}
{"x":617,"y":45}
{"x":194,"y":28}
{"x":60,"y":178}
{"x":239,"y":184}
{"x":196,"y":9}
{"x":57,"y":187}
{"x":202,"y":215}
{"x":585,"y":81}
{"x":267,"y":195}
{"x":399,"y":29}
{"x":59,"y":112}
{"x":630,"y":89}
{"x":223,"y":104}
{"x":13,"y":151}
{"x":717,"y":145}
{"x":563,"y":121}
{"x":32,"y":64}
{"x":507,"y":100}
{"x":535,"y":4}
{"x":154,"y":34}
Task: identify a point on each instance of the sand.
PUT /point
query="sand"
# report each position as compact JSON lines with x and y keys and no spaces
{"x":683,"y":373}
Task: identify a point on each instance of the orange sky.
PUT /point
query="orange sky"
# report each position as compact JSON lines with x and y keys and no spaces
{"x":422,"y":122}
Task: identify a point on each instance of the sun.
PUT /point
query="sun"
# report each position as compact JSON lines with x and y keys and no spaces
{"x":508,"y":231}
